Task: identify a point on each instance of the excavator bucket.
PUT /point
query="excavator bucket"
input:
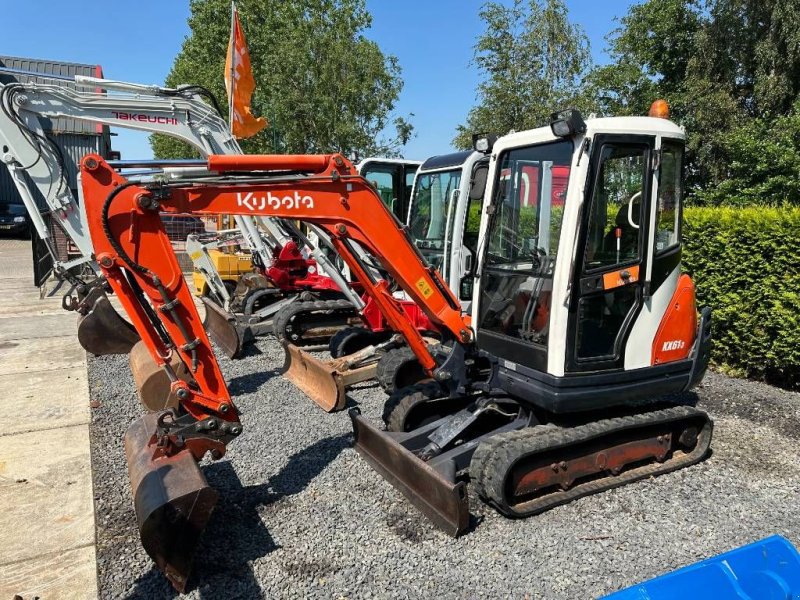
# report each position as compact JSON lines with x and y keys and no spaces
{"x":100,"y":328}
{"x":325,"y":382}
{"x":225,"y":329}
{"x":436,"y":494}
{"x":152,"y":382}
{"x":172,"y":499}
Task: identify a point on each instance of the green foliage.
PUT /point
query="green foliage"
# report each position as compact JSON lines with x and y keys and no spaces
{"x":532,"y":60}
{"x":320,"y":83}
{"x":762,"y":163}
{"x":651,"y":51}
{"x":719,"y":63}
{"x":744,"y":262}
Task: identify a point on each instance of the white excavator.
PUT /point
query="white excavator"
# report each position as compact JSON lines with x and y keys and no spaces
{"x":36,"y":163}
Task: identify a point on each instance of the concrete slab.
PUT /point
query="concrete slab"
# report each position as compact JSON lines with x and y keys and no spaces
{"x":32,"y":308}
{"x":42,"y":354}
{"x":48,"y":399}
{"x":69,"y":575}
{"x":45,"y":483}
{"x":11,"y":296}
{"x":39,"y":326}
{"x":46,"y":500}
{"x":27,"y":302}
{"x":19,"y":284}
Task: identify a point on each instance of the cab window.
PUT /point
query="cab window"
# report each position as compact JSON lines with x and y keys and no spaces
{"x":670,"y":194}
{"x":615,"y":216}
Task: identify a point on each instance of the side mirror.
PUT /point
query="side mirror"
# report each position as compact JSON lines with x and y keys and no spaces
{"x":467,"y":262}
{"x":477,"y":186}
{"x":465,"y":288}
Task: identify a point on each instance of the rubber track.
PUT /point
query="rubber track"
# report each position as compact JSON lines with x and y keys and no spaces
{"x":481,"y":457}
{"x":389,"y":364}
{"x":398,"y":404}
{"x":286,"y":314}
{"x":340,"y":337}
{"x":495,"y":457}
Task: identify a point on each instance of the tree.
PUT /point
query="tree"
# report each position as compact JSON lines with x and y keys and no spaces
{"x":720,"y":64}
{"x":650,"y":51}
{"x":532,"y":60}
{"x":762,"y":159}
{"x":744,"y":75}
{"x":321,"y":84}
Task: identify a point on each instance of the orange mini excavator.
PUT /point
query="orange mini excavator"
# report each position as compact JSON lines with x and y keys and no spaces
{"x":583,"y":323}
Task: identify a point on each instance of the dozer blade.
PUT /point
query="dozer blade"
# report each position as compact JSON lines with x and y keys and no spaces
{"x":439,"y":498}
{"x":152,"y":381}
{"x":101,"y":330}
{"x":324,"y":382}
{"x":172,"y":499}
{"x":225,"y":329}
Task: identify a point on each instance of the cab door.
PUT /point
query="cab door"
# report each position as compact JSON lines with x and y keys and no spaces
{"x":393,"y":181}
{"x":611,"y":257}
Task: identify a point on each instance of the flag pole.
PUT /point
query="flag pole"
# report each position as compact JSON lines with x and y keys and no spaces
{"x":232,"y":50}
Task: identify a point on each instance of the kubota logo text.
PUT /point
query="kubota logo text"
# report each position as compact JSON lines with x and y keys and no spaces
{"x":254,"y":203}
{"x":126,"y":116}
{"x":673,"y":345}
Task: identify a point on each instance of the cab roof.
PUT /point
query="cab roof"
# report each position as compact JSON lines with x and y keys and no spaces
{"x":442,"y":161}
{"x":616,"y":125}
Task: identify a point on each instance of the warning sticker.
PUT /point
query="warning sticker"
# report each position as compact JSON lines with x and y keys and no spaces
{"x":195,"y":255}
{"x":424,"y":288}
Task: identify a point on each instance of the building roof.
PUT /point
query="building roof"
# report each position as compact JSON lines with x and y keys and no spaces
{"x":37,"y":71}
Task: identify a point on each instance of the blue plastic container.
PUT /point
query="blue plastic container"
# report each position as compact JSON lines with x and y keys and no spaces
{"x":765,"y":570}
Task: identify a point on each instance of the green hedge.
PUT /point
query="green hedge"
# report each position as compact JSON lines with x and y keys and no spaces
{"x":746,"y":265}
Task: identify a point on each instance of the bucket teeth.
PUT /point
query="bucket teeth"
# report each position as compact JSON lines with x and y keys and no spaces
{"x":172,"y":499}
{"x":225,"y":329}
{"x":101,"y":330}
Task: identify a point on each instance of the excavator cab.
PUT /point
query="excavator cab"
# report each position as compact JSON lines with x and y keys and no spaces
{"x":393,"y":180}
{"x":582,"y":264}
{"x":584,"y":320}
{"x":444,"y":216}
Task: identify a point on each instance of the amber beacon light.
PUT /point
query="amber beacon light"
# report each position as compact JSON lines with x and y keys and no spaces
{"x":659,"y":109}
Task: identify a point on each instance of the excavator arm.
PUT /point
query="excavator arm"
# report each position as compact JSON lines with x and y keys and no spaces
{"x":172,"y":499}
{"x":319,"y":189}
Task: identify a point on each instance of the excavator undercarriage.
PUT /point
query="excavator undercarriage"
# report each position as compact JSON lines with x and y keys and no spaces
{"x":523,"y":467}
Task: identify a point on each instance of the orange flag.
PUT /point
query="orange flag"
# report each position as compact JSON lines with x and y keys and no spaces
{"x":240,"y":84}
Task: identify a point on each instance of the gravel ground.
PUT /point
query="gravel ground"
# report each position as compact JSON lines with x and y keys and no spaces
{"x":302,"y":515}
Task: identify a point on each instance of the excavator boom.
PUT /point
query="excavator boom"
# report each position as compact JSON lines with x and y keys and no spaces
{"x":136,"y":257}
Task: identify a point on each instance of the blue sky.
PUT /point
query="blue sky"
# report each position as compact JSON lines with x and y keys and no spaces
{"x":432,"y":39}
